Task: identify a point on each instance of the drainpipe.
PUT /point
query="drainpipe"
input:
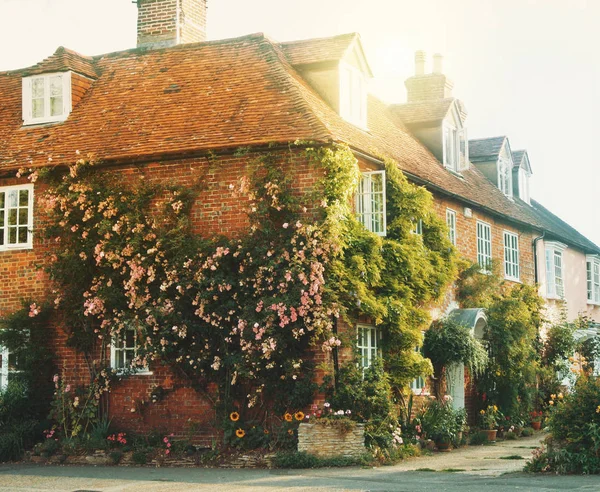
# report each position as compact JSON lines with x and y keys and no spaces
{"x":535,"y":263}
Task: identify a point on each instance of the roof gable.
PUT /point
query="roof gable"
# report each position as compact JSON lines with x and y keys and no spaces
{"x":486,"y":149}
{"x":62,"y":60}
{"x":521,"y":161}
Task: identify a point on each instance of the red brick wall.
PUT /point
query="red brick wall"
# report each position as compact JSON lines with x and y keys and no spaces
{"x":466,"y":236}
{"x":219,"y":209}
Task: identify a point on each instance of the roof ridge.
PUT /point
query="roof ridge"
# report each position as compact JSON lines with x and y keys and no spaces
{"x":323,"y":38}
{"x":286,"y":68}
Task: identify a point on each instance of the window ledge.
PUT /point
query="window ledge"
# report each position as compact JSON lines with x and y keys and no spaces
{"x":16,"y":248}
{"x":592,"y":303}
{"x":141,"y":372}
{"x":418,"y":392}
{"x":513,"y":279}
{"x":555,"y":298}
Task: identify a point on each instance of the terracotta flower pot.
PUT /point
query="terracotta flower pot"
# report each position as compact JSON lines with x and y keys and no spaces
{"x":491,"y":434}
{"x":443,"y":446}
{"x":536,"y":425}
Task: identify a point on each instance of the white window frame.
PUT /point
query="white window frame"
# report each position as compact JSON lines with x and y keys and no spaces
{"x":451,"y":223}
{"x":418,"y":227}
{"x":484,"y":245}
{"x":114,"y":348}
{"x":4,"y":212}
{"x":419,"y":385}
{"x":592,"y":263}
{"x":27,"y":96}
{"x":555,"y":269}
{"x":371,"y":349}
{"x":512,"y":270}
{"x":364,"y":203}
{"x":4,"y":371}
{"x":352,"y":95}
{"x":505,"y":176}
{"x":451,"y":156}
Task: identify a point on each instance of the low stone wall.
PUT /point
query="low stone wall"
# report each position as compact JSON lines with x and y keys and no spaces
{"x":329,"y":441}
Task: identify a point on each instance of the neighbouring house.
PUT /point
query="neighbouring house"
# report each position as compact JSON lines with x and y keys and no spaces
{"x":179,"y":107}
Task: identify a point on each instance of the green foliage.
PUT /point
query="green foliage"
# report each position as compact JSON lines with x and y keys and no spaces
{"x":478,"y":438}
{"x":17,"y":421}
{"x":441,"y":422}
{"x":447,"y":342}
{"x":296,"y":460}
{"x":140,"y":457}
{"x":514,"y":318}
{"x":368,"y":395}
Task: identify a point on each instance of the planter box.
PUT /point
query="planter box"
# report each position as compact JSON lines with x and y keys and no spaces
{"x":328,"y":441}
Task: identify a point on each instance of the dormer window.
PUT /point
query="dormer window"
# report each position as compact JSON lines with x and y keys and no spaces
{"x":505,"y":176}
{"x":353,"y":95}
{"x":524,"y":193}
{"x":46,"y":98}
{"x":455,"y":148}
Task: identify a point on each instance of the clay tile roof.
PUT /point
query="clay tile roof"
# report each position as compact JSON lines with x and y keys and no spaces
{"x":64,"y":59}
{"x":485,"y":149}
{"x":318,"y":50}
{"x":211,"y":95}
{"x":422,"y":111}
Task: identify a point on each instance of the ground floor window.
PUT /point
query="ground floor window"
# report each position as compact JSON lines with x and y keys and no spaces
{"x":368,"y":344}
{"x":124,"y":351}
{"x":8,"y":367}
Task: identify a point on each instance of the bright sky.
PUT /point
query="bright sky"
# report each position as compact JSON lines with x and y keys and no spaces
{"x":529,"y":69}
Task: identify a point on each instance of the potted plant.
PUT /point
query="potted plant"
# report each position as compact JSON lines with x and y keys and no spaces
{"x":536,"y":419}
{"x":440,"y":423}
{"x":489,"y":421}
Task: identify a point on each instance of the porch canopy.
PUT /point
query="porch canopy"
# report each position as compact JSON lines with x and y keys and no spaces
{"x":473,"y":318}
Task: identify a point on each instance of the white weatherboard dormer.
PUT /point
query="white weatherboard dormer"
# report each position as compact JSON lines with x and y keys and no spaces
{"x":46,"y":98}
{"x":455,"y":148}
{"x":353,"y":94}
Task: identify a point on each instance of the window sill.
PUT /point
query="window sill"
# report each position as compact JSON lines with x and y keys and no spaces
{"x":555,"y":298}
{"x":513,"y":279}
{"x":142,"y":372}
{"x":24,"y":247}
{"x":594,"y":304}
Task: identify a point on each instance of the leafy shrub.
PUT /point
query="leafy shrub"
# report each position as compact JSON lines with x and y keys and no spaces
{"x":306,"y":460}
{"x":478,"y":438}
{"x":527,"y":432}
{"x":17,"y":426}
{"x":511,"y":436}
{"x":140,"y":457}
{"x":115,"y":456}
{"x":441,"y":422}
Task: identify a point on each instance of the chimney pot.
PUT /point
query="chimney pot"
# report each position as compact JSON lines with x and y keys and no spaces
{"x":438,"y":62}
{"x":420,"y":62}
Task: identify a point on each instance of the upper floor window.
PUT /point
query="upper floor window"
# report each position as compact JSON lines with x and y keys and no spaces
{"x":484,"y":245}
{"x":46,"y":98}
{"x":505,"y":176}
{"x":370,"y":201}
{"x":451,"y":223}
{"x":418,"y":227}
{"x":455,"y":148}
{"x":593,"y":279}
{"x":511,"y":256}
{"x":368,"y":338}
{"x":124,"y":350}
{"x":16,"y":217}
{"x":353,"y":95}
{"x":555,"y":286}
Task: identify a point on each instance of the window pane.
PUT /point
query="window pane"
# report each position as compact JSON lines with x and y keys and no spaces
{"x":12,"y":199}
{"x":23,"y":216}
{"x":23,"y":198}
{"x":12,"y":235}
{"x":56,"y":106}
{"x":12,"y":216}
{"x":129,"y":338}
{"x":37,"y":108}
{"x":37,"y":88}
{"x":1,"y":200}
{"x":56,"y":85}
{"x":23,"y":235}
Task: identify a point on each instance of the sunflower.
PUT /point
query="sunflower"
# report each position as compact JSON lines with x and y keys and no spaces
{"x":234,"y":416}
{"x":288,"y":417}
{"x":266,"y":431}
{"x":240,"y":433}
{"x":290,"y":432}
{"x":299,"y":416}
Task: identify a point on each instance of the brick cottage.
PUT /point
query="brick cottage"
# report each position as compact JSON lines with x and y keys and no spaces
{"x":178,"y":108}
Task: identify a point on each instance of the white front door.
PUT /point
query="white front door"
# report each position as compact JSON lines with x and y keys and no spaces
{"x":456,"y":385}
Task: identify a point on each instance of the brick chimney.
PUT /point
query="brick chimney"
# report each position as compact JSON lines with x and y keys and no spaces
{"x":427,"y":87}
{"x":163,"y":23}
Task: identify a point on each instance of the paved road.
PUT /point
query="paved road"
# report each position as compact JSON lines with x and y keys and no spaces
{"x":475,"y":469}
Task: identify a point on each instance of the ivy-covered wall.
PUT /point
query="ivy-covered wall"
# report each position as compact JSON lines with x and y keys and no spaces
{"x":235,"y":271}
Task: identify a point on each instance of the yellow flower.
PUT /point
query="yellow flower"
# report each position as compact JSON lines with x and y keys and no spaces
{"x":551,"y":402}
{"x":234,"y":416}
{"x":482,"y":412}
{"x":553,"y":397}
{"x":299,"y":416}
{"x":560,"y":396}
{"x":495,"y":408}
{"x":598,"y":409}
{"x":240,"y":433}
{"x":290,"y":432}
{"x":288,"y":417}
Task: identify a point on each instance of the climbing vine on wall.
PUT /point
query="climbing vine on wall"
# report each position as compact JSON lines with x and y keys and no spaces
{"x":243,"y":312}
